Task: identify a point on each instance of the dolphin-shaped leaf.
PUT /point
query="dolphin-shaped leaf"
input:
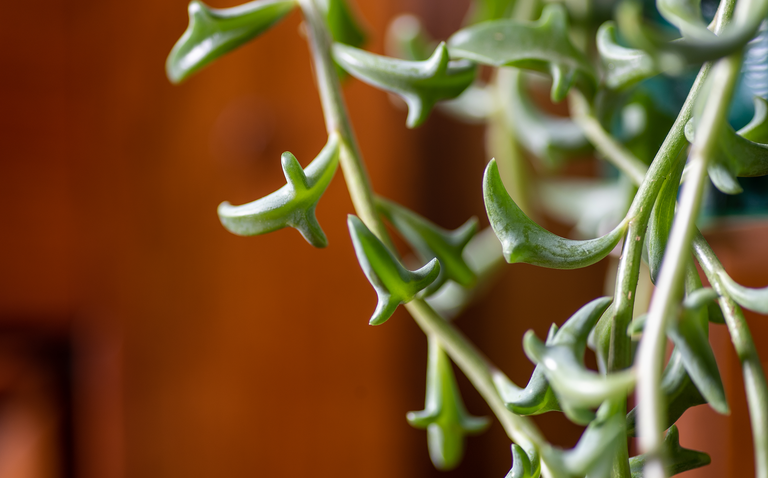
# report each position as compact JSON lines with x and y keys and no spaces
{"x":536,"y":398}
{"x":660,"y":222}
{"x":575,"y":386}
{"x":444,"y":416}
{"x":525,"y":241}
{"x":342,"y":22}
{"x":747,"y":297}
{"x":736,"y":156}
{"x":524,"y":466}
{"x":213,"y":32}
{"x":430,"y":241}
{"x":542,"y":46}
{"x":293,"y":204}
{"x":623,"y":66}
{"x":550,"y":138}
{"x":421,"y":84}
{"x":394,"y":284}
{"x":678,"y":459}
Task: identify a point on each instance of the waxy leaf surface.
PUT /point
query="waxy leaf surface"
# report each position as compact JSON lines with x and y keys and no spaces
{"x":421,"y":84}
{"x":342,"y":22}
{"x":685,"y":15}
{"x":444,"y":416}
{"x":213,"y":32}
{"x":679,"y":459}
{"x":430,"y":241}
{"x":542,"y":46}
{"x":525,"y":241}
{"x":292,"y":205}
{"x":394,"y":284}
{"x":747,"y":297}
{"x":623,"y":66}
{"x":660,"y":223}
{"x":523,"y":466}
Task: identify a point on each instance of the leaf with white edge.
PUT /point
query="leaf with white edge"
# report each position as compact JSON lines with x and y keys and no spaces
{"x":525,"y":241}
{"x":524,"y":466}
{"x":444,"y":416}
{"x":420,"y":84}
{"x":394,"y":284}
{"x":293,"y":205}
{"x":541,"y":46}
{"x":660,"y":222}
{"x":550,"y":138}
{"x":536,"y":398}
{"x":678,"y":460}
{"x":430,"y":240}
{"x":736,"y":156}
{"x":690,"y":336}
{"x":342,"y":21}
{"x":575,"y":386}
{"x":623,"y":67}
{"x":213,"y":32}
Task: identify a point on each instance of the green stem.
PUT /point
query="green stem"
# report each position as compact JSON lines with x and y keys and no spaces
{"x":460,"y":349}
{"x":752,"y":368}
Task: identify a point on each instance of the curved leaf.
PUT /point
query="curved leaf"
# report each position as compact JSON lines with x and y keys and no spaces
{"x":525,"y":241}
{"x":679,"y":459}
{"x":430,"y":241}
{"x":523,"y":466}
{"x":542,"y":46}
{"x":343,"y":24}
{"x":757,"y":129}
{"x":444,"y":416}
{"x":685,"y":15}
{"x":394,"y":284}
{"x":623,"y":66}
{"x":292,"y":205}
{"x":747,"y":297}
{"x":660,"y":222}
{"x":421,"y":84}
{"x":213,"y":32}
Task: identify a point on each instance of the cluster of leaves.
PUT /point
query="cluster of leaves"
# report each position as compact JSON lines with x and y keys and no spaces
{"x":603,"y":71}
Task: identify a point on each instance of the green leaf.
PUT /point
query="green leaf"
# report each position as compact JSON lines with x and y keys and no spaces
{"x":575,"y":386}
{"x":343,"y":23}
{"x":293,"y":204}
{"x":213,"y":32}
{"x":623,"y":67}
{"x":408,"y":39}
{"x":685,"y":15}
{"x":394,"y":284}
{"x":421,"y":84}
{"x":690,"y":335}
{"x":541,"y":46}
{"x":430,"y":241}
{"x":757,"y":129}
{"x":524,"y":466}
{"x":736,"y":156}
{"x":747,"y":297}
{"x":660,"y":222}
{"x":444,"y":416}
{"x":484,"y":10}
{"x":550,"y":138}
{"x":536,"y":398}
{"x":525,"y":241}
{"x":678,"y":459}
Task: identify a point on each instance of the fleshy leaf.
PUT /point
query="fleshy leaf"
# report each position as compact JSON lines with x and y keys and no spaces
{"x":394,"y":284}
{"x":213,"y":32}
{"x":430,"y":241}
{"x":342,"y":22}
{"x":678,"y":459}
{"x":444,"y":416}
{"x":736,"y":156}
{"x":421,"y":84}
{"x":660,"y":222}
{"x":525,"y":241}
{"x":550,"y":138}
{"x":536,"y":398}
{"x":747,"y":297}
{"x":685,"y":15}
{"x":523,"y":466}
{"x":757,"y":129}
{"x":541,"y":46}
{"x":293,"y":204}
{"x":484,"y":10}
{"x":575,"y":386}
{"x":623,"y":66}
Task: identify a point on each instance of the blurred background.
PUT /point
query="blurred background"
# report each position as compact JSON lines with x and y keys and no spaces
{"x":138,"y":338}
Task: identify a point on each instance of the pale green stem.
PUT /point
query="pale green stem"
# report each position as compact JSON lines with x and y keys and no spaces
{"x":461,"y":350}
{"x":650,"y":355}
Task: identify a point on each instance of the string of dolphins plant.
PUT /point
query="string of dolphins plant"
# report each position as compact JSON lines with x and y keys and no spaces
{"x":600,"y":68}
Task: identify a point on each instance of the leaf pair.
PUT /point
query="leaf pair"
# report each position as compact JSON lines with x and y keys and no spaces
{"x":421,"y":84}
{"x":444,"y":416}
{"x":525,"y":241}
{"x":739,"y":154}
{"x":678,"y":459}
{"x":292,"y":205}
{"x":541,"y":46}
